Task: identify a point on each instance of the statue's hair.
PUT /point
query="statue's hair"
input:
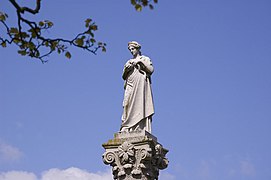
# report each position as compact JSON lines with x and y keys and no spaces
{"x":134,"y":44}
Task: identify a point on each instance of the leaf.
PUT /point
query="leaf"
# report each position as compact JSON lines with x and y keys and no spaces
{"x":125,"y":157}
{"x":136,"y":172}
{"x":41,"y":23}
{"x":68,"y":55}
{"x":88,"y":22}
{"x":89,"y":32}
{"x":145,"y":2}
{"x":31,"y":54}
{"x":33,"y":35}
{"x":138,"y":7}
{"x":37,"y":54}
{"x":127,"y":166}
{"x":133,"y":2}
{"x":94,"y":27}
{"x":150,"y":6}
{"x":2,"y":17}
{"x":121,"y":173}
{"x":31,"y":45}
{"x":16,"y":40}
{"x":103,"y":49}
{"x":17,"y":36}
{"x":34,"y":32}
{"x":79,"y":42}
{"x":155,"y":1}
{"x":53,"y":45}
{"x":13,"y":30}
{"x":46,"y":43}
{"x":4,"y":44}
{"x":22,"y":52}
{"x":50,"y":24}
{"x":130,"y":152}
{"x":24,"y":35}
{"x":92,"y":40}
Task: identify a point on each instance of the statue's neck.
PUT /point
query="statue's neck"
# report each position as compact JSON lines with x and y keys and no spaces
{"x":138,"y":56}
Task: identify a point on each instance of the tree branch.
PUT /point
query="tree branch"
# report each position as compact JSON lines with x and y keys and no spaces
{"x":34,"y":44}
{"x":29,"y":37}
{"x":23,"y":9}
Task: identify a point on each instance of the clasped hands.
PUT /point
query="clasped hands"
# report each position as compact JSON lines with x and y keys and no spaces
{"x":132,"y":63}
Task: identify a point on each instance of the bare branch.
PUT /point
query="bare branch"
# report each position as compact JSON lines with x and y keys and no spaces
{"x":23,"y":9}
{"x":8,"y":32}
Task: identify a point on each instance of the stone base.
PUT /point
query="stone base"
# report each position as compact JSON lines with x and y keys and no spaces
{"x":135,"y":155}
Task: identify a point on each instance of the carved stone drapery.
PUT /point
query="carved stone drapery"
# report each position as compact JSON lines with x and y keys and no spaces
{"x":135,"y":155}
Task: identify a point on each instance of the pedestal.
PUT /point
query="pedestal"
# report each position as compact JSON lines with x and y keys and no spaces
{"x":135,"y":155}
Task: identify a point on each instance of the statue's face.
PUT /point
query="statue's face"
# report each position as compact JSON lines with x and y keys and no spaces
{"x":134,"y":51}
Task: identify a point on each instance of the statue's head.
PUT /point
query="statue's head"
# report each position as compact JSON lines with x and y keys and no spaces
{"x":134,"y":47}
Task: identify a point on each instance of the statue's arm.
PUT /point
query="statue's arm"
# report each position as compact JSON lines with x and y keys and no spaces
{"x":124,"y":74}
{"x":127,"y":68}
{"x":146,"y":65}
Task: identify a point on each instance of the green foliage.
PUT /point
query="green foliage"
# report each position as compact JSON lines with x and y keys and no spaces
{"x":4,"y":44}
{"x":13,"y":31}
{"x":138,"y":7}
{"x":32,"y":43}
{"x":139,"y":4}
{"x":79,"y":42}
{"x":22,"y":52}
{"x":29,"y":36}
{"x":68,"y":55}
{"x":88,"y":21}
{"x":46,"y":24}
{"x":3,"y":16}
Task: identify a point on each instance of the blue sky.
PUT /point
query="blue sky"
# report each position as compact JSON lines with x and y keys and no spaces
{"x":211,"y":87}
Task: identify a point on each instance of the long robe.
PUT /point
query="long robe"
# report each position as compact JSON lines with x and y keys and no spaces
{"x":138,"y":105}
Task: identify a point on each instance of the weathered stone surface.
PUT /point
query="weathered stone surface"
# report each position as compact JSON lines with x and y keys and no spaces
{"x":138,"y":107}
{"x":135,"y":155}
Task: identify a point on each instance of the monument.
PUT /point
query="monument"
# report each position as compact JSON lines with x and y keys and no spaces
{"x":134,"y":153}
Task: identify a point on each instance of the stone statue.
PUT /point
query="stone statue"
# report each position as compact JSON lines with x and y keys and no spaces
{"x":138,"y":102}
{"x":134,"y":153}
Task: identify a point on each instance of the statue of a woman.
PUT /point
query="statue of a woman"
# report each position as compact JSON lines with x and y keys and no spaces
{"x":138,"y":102}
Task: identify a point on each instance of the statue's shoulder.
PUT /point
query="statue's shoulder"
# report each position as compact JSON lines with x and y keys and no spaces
{"x":129,"y":61}
{"x":145,"y":58}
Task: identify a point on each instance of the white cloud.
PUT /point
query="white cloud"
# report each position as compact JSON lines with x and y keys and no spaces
{"x":247,"y":168}
{"x":9,"y":153}
{"x":57,"y":174}
{"x":17,"y":175}
{"x":166,"y":176}
{"x":74,"y":174}
{"x":232,"y":172}
{"x":204,"y":169}
{"x":182,"y":171}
